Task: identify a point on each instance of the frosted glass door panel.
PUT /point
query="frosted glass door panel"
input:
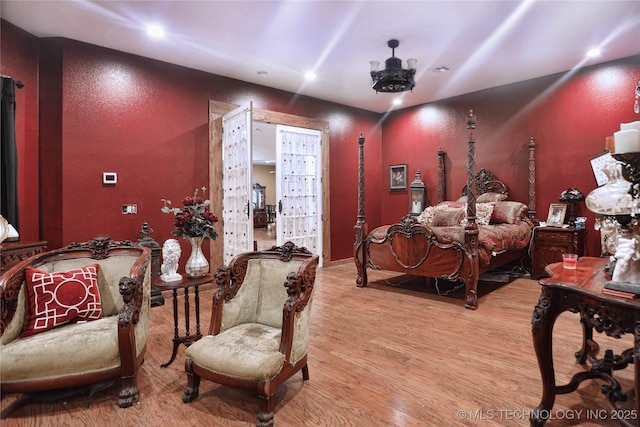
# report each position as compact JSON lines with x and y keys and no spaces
{"x":298,"y":187}
{"x":237,"y":211}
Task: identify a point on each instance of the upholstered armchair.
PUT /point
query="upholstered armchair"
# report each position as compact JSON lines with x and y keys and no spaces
{"x":259,"y":332}
{"x":75,"y":317}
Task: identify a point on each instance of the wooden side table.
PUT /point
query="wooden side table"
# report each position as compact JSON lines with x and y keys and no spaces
{"x":549,"y":243}
{"x":12,"y":253}
{"x":187,"y":339}
{"x":580,"y":291}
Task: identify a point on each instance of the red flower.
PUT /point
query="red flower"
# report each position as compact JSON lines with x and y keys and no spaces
{"x":194,"y":219}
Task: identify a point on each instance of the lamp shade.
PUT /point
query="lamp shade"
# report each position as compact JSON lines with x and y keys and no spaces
{"x":614,"y":197}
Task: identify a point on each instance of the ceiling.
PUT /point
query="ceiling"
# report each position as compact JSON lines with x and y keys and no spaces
{"x":273,"y":43}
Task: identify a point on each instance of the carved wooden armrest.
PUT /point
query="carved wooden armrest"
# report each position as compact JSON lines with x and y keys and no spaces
{"x":228,"y":285}
{"x":9,"y":291}
{"x":132,"y":293}
{"x":299,"y":287}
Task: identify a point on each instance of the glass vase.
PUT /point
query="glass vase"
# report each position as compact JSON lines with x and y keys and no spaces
{"x":197,"y":264}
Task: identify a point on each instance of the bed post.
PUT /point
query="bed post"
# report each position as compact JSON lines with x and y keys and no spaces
{"x":359,"y":252}
{"x":532,"y":179}
{"x":442,"y":193}
{"x":471,"y":229}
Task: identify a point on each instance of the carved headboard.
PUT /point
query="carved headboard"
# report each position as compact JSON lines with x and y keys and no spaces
{"x":486,"y":183}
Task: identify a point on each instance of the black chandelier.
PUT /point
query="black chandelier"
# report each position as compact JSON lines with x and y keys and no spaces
{"x":393,"y":78}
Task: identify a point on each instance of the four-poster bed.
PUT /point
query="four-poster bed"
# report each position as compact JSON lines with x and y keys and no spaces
{"x":454,"y":240}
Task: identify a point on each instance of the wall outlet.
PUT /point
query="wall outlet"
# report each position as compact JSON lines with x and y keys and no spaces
{"x":129,"y":209}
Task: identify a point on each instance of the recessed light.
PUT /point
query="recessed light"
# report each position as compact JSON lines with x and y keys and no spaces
{"x":593,"y":52}
{"x":155,"y":31}
{"x":396,"y":101}
{"x":310,"y":75}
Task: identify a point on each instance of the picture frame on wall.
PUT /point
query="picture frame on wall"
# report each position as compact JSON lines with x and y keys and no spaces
{"x":556,"y":215}
{"x":398,"y":177}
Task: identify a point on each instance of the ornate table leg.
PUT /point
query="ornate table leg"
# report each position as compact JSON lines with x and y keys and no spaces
{"x":186,"y":314}
{"x":197,"y":302}
{"x":542,"y":321}
{"x":176,"y":334}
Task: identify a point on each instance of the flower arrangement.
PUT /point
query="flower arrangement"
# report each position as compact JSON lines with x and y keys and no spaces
{"x":194,"y":219}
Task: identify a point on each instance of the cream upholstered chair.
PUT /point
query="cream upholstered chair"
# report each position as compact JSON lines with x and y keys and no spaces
{"x":74,"y":317}
{"x":259,"y":330}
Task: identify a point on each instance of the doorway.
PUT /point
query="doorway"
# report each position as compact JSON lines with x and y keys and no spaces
{"x":219,"y":109}
{"x":264,"y":184}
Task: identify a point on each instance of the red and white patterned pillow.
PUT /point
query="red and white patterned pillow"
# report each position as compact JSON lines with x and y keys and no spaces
{"x":58,"y":298}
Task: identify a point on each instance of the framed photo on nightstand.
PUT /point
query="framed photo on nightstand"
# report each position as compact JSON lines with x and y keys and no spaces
{"x":556,"y":215}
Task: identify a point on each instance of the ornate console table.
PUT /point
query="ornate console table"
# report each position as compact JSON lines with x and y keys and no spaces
{"x":12,"y":253}
{"x":580,"y":291}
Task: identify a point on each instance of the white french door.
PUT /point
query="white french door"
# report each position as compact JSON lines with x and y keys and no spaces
{"x":237,"y":211}
{"x":299,"y":187}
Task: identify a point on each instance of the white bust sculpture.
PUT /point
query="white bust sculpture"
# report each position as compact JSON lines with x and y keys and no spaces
{"x":170,"y":256}
{"x":628,"y":261}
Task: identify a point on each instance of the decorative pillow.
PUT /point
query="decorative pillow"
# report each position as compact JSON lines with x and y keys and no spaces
{"x":452,"y":204}
{"x":61,"y":297}
{"x":443,"y":214}
{"x":426,"y":216}
{"x":448,"y":216}
{"x":483,"y":214}
{"x":490,"y":197}
{"x":508,"y":212}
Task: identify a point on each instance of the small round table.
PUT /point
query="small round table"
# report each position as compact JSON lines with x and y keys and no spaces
{"x":187,"y":282}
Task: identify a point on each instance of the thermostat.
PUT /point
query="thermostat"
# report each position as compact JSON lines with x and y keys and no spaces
{"x":109,"y":178}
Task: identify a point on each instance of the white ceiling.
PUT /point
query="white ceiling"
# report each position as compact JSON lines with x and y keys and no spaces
{"x":484,"y":43}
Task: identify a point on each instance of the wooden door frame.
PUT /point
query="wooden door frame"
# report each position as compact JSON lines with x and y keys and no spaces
{"x":218,"y":109}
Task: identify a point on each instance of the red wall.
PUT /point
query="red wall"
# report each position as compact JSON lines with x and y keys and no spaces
{"x":568,"y":115}
{"x":106,"y":111}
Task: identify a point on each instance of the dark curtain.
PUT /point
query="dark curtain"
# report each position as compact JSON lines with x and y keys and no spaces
{"x":9,"y":153}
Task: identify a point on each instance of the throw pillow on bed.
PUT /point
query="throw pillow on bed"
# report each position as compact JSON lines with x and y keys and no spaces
{"x":484,"y":211}
{"x":491,"y":197}
{"x":448,"y":216}
{"x":485,"y":198}
{"x":443,"y":214}
{"x":54,"y":299}
{"x":509,"y":212}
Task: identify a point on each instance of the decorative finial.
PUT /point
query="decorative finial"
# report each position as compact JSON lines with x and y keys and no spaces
{"x":471,"y":120}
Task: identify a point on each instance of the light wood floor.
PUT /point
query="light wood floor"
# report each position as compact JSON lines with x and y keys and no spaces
{"x":385,"y":355}
{"x":265,"y":238}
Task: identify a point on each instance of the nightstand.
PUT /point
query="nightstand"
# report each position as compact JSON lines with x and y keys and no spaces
{"x":549,"y":243}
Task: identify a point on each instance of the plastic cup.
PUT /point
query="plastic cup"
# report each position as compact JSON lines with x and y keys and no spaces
{"x":570,"y":261}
